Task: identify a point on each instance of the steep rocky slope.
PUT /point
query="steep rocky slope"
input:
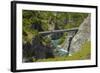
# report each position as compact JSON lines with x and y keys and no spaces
{"x":82,"y":35}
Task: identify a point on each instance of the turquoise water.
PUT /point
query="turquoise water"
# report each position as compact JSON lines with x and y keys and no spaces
{"x":59,"y":51}
{"x":55,"y":43}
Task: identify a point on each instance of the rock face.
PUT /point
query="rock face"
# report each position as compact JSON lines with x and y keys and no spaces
{"x":82,"y":35}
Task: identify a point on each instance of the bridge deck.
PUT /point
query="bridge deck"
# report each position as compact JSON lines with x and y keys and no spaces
{"x":57,"y":31}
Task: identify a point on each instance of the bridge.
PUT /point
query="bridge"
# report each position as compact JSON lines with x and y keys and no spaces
{"x":70,"y":32}
{"x":59,"y":31}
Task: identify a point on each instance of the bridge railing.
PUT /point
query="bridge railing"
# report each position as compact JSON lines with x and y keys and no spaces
{"x":58,"y":31}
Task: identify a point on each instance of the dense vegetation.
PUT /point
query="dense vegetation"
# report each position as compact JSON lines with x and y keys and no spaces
{"x":80,"y":55}
{"x":35,"y":21}
{"x":38,"y":21}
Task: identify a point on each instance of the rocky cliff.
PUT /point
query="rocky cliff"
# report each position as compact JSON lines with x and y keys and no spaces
{"x":82,"y":35}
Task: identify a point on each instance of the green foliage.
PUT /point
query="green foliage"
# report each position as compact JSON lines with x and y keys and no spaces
{"x":62,"y":39}
{"x":29,"y":35}
{"x":82,"y":54}
{"x":46,"y":40}
{"x":47,"y":19}
{"x":45,"y":25}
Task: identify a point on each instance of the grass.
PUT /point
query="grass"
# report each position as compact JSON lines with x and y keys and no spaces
{"x":82,"y":54}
